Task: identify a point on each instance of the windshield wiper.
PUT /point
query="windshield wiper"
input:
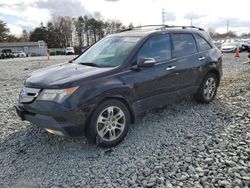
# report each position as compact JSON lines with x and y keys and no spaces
{"x":90,"y":64}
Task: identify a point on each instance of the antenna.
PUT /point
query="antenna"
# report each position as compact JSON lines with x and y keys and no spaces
{"x":227,"y":26}
{"x":163,"y":14}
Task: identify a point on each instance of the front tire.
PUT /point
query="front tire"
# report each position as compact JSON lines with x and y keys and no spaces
{"x":208,"y":89}
{"x":109,"y":123}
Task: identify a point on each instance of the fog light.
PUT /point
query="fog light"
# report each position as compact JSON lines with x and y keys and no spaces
{"x":55,"y":132}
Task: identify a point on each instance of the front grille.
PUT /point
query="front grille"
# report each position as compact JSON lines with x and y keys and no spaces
{"x":28,"y":94}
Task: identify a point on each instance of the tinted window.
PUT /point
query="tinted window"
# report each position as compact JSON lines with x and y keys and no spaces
{"x":202,"y":43}
{"x":157,"y":47}
{"x":184,"y":44}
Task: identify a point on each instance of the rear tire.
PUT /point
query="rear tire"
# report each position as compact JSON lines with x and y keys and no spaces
{"x":208,"y":89}
{"x":108,"y":124}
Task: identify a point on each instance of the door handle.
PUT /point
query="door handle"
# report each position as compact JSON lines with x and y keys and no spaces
{"x":201,"y":58}
{"x":170,"y":68}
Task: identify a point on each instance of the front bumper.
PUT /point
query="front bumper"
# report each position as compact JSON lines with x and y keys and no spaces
{"x":54,"y":117}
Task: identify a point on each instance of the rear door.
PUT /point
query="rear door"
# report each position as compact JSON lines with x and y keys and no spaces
{"x":185,"y":53}
{"x":204,"y":51}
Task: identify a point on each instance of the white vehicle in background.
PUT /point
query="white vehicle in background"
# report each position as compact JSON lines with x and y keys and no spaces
{"x":15,"y":54}
{"x":230,"y":47}
{"x":69,"y":51}
{"x":217,"y":44}
{"x":21,"y":54}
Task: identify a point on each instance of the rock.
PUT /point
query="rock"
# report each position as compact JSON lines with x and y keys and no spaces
{"x":151,"y":182}
{"x":199,"y":169}
{"x":230,"y":163}
{"x":169,"y":185}
{"x":184,"y":176}
{"x":189,"y":136}
{"x":201,"y":147}
{"x":191,"y":168}
{"x":188,"y":159}
{"x":146,"y":171}
{"x":237,"y":182}
{"x":157,"y":168}
{"x":208,"y":161}
{"x":246,"y":178}
{"x":223,"y":183}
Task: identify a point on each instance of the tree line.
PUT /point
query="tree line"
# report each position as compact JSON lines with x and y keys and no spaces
{"x":83,"y":31}
{"x":6,"y":36}
{"x":63,"y":31}
{"x":66,"y":31}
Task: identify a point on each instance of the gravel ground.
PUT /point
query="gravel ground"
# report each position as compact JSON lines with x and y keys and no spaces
{"x":182,"y":145}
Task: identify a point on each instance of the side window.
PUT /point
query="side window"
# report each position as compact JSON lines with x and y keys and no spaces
{"x":183,"y":44}
{"x":202,"y":43}
{"x":157,"y":47}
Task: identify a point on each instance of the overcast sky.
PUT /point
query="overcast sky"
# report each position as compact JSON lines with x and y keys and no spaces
{"x":27,"y":14}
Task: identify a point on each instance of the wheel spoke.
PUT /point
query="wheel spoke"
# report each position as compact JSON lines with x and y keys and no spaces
{"x":101,"y":119}
{"x":110,"y":111}
{"x":119,"y":115}
{"x":112,"y":134}
{"x":206,"y":91}
{"x":103,"y":131}
{"x":119,"y":126}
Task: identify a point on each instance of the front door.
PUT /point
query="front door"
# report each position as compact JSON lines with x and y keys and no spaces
{"x":151,"y":83}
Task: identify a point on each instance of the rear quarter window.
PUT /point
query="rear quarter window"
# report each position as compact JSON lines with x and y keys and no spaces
{"x":203,"y":45}
{"x":183,"y":44}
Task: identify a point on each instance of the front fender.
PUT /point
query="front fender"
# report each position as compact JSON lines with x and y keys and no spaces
{"x":96,"y":91}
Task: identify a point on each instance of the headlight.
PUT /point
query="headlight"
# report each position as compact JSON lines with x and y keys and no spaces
{"x":56,"y":95}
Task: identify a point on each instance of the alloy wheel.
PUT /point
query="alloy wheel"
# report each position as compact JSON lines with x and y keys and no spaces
{"x":111,"y":123}
{"x":210,"y":88}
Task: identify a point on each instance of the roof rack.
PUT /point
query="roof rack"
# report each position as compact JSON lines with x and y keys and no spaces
{"x":163,"y":27}
{"x":187,"y":27}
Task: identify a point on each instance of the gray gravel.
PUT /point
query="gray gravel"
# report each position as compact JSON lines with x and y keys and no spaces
{"x":182,"y":145}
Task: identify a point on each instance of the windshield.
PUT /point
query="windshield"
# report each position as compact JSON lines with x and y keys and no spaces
{"x":109,"y":52}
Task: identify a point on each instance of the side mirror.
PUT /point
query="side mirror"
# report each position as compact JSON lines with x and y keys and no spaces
{"x":145,"y":62}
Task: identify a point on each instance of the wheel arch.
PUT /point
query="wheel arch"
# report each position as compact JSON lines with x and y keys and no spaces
{"x":216,"y":73}
{"x":115,"y":97}
{"x":124,"y":101}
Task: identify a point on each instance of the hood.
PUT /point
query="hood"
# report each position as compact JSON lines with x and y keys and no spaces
{"x":61,"y":75}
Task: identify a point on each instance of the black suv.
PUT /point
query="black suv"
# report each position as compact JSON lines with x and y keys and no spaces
{"x":6,"y":53}
{"x":99,"y":93}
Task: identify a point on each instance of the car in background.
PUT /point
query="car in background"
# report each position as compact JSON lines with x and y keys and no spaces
{"x":7,"y":53}
{"x":69,"y":51}
{"x":15,"y":54}
{"x":231,"y":47}
{"x":21,"y":54}
{"x":217,"y":44}
{"x":245,"y":44}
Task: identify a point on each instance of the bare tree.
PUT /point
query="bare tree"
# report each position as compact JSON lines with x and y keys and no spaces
{"x":64,"y":29}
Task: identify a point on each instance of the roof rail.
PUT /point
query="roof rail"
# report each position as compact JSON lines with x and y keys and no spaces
{"x":143,"y":26}
{"x":162,"y":27}
{"x":187,"y":27}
